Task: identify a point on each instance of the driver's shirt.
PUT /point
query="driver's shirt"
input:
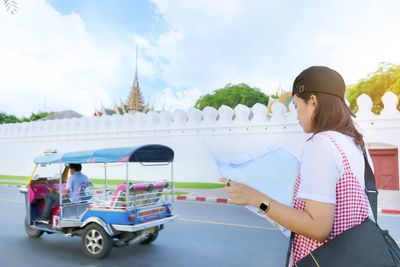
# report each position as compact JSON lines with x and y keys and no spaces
{"x":73,"y":184}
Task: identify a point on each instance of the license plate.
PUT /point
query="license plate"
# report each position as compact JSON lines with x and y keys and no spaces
{"x":145,"y":213}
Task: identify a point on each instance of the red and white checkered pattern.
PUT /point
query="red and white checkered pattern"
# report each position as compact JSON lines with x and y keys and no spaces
{"x":352,"y":208}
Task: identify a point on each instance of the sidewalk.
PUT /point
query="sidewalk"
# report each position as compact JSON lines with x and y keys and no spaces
{"x":388,"y":200}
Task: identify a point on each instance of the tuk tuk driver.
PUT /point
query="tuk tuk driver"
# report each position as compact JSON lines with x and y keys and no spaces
{"x":72,"y":189}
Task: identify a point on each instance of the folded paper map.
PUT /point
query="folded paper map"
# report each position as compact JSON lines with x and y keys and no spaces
{"x":272,"y":171}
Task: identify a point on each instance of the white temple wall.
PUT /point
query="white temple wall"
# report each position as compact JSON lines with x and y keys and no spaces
{"x":229,"y":133}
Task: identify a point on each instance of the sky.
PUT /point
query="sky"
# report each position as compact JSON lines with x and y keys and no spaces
{"x":57,"y":55}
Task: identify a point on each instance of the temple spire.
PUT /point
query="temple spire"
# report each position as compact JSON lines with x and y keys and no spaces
{"x":136,"y":81}
{"x":135,"y":101}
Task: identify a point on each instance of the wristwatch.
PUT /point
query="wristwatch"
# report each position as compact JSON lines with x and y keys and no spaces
{"x":264,"y":206}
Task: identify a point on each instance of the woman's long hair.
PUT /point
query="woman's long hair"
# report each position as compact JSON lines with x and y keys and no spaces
{"x":332,"y":115}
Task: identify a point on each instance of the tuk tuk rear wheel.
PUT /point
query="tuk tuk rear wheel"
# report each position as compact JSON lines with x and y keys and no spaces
{"x":96,"y":242}
{"x":151,"y":237}
{"x":32,"y":233}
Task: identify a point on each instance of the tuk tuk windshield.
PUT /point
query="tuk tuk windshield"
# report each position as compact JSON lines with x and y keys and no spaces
{"x":48,"y":172}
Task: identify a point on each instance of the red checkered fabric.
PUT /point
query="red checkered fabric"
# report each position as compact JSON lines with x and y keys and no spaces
{"x":352,"y":208}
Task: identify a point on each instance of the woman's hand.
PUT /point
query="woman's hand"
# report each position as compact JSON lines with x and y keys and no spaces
{"x":315,"y":221}
{"x":241,"y":194}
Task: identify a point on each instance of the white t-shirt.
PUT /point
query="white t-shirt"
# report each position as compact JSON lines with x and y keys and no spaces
{"x":322,"y":167}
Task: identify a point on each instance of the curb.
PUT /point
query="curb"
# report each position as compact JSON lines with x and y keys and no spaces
{"x":388,"y":211}
{"x":193,"y":198}
{"x":203,"y":199}
{"x":11,"y":185}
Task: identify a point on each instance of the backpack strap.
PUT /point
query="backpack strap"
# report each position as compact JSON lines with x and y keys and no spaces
{"x":289,"y":249}
{"x":370,"y":187}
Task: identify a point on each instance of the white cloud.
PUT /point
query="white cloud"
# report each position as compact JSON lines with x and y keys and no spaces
{"x":170,"y":100}
{"x":267,"y":43}
{"x":146,"y":68}
{"x":46,"y":57}
{"x":140,"y":41}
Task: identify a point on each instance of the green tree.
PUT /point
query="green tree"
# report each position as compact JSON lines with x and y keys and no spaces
{"x":5,"y":118}
{"x":37,"y":116}
{"x":386,"y":78}
{"x":232,"y":95}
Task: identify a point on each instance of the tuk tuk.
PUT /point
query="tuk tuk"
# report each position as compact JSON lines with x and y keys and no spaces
{"x":134,"y":213}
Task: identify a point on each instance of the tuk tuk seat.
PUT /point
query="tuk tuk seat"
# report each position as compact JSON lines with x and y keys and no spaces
{"x":136,"y":189}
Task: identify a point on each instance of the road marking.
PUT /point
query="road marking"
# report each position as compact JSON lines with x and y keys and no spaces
{"x":10,"y":200}
{"x":228,"y":224}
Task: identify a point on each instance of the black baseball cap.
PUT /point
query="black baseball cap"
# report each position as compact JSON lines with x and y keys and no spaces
{"x":320,"y":79}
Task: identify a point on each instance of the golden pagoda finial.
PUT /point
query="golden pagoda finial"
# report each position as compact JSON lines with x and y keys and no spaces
{"x":135,"y":101}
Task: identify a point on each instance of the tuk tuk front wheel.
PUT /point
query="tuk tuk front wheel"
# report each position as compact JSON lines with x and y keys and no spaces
{"x":96,"y":242}
{"x":33,"y":233}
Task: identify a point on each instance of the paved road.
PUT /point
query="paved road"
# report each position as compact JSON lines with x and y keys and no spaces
{"x":205,"y":235}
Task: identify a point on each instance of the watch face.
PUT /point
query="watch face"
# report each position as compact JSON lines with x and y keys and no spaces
{"x":263,"y":206}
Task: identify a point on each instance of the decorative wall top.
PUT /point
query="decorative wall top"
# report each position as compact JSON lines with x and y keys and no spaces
{"x":241,"y":116}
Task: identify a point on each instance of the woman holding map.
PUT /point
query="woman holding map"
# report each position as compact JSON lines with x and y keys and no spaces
{"x":329,"y":195}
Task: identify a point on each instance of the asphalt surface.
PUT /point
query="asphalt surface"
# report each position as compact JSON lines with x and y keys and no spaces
{"x":204,"y":235}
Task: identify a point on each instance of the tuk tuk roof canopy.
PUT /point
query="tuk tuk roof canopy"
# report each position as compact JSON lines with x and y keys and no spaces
{"x":146,"y":153}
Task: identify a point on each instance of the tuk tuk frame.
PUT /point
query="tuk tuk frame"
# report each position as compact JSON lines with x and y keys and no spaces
{"x":126,"y":231}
